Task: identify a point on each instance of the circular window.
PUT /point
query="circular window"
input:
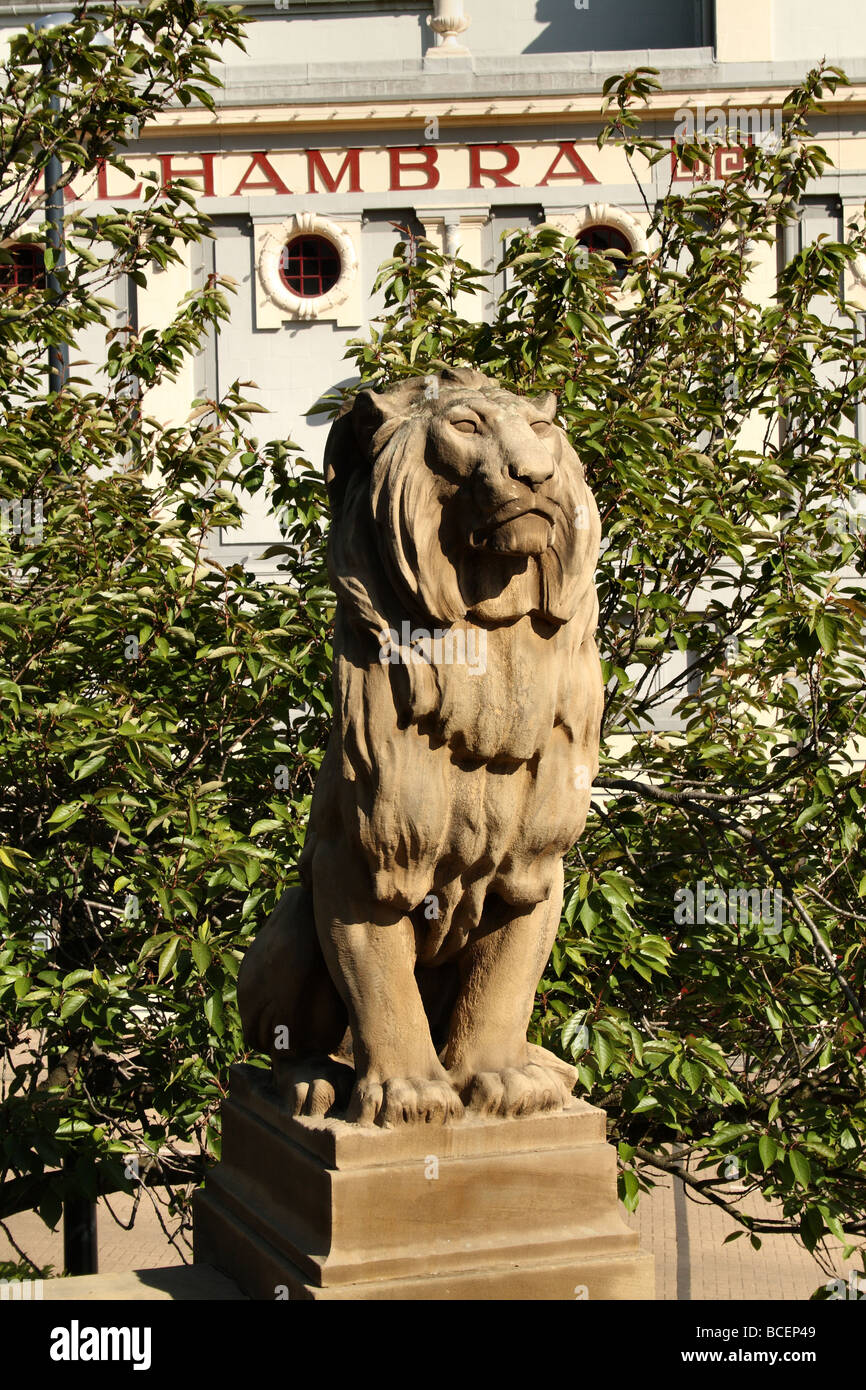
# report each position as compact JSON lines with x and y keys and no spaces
{"x":310,"y":266}
{"x":600,"y":239}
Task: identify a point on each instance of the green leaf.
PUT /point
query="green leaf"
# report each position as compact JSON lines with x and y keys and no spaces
{"x":167,"y":957}
{"x":811,"y":1227}
{"x":810,"y":814}
{"x":800,"y":1167}
{"x":213,"y":1012}
{"x":767,"y":1150}
{"x":115,"y":819}
{"x":187,"y":900}
{"x":825,"y":630}
{"x":631,"y":1189}
{"x":71,"y":1004}
{"x":693,"y":1075}
{"x":645,"y":1103}
{"x":202,"y":955}
{"x":260,"y":826}
{"x":75,"y":977}
{"x":65,"y":814}
{"x":603,"y":1049}
{"x":91,"y":765}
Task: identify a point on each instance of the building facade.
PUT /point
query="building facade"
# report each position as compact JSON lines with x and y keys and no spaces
{"x":347,"y":120}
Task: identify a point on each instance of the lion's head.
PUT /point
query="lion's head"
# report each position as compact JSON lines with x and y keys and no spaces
{"x":478,"y":504}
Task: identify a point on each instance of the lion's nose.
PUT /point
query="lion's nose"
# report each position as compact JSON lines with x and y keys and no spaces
{"x":531,"y":465}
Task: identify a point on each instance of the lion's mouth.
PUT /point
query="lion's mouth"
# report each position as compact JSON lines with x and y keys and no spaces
{"x":514,"y":529}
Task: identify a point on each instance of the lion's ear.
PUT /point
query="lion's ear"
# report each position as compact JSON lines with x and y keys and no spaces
{"x":546,"y":405}
{"x":348,"y":444}
{"x":370,"y":410}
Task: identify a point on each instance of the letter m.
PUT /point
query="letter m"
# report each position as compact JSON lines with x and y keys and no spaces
{"x":743,"y":903}
{"x":316,"y":166}
{"x":115,"y":1343}
{"x":10,"y":509}
{"x":747,"y":120}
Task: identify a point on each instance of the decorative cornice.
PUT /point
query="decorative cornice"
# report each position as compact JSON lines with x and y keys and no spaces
{"x":243,"y":106}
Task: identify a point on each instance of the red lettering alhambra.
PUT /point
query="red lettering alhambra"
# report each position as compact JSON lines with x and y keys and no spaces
{"x":408,"y":168}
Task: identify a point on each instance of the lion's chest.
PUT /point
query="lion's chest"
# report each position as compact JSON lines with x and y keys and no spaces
{"x":480,"y":795}
{"x":501,"y":707}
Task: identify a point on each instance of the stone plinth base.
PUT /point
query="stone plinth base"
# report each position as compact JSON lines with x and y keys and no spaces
{"x":480,"y":1209}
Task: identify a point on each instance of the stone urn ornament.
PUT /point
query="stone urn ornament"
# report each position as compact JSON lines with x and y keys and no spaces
{"x":448,"y":21}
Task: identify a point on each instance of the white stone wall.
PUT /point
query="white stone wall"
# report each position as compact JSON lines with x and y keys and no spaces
{"x":802,"y":29}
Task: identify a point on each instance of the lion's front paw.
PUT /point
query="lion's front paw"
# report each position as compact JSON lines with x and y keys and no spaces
{"x":516,"y":1091}
{"x":404,"y":1100}
{"x":315,"y":1086}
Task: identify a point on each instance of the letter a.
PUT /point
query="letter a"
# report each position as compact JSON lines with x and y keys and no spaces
{"x":685,"y":906}
{"x":578,"y":169}
{"x":271,"y":181}
{"x":59,"y":1350}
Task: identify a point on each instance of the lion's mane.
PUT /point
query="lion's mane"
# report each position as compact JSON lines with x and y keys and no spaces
{"x":453,"y":782}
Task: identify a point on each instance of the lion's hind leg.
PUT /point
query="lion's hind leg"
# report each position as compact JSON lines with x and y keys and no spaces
{"x":291,"y":1010}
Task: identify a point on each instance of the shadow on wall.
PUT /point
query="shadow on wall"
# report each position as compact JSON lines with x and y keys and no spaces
{"x":324,"y":421}
{"x":615,"y":24}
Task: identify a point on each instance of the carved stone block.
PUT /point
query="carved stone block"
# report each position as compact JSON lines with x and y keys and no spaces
{"x":515,"y":1208}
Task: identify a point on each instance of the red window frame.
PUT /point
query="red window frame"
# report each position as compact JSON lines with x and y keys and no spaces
{"x":26,"y":269}
{"x":600,"y":238}
{"x":310,"y":265}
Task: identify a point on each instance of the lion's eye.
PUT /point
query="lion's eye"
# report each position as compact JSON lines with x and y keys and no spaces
{"x":465,"y":426}
{"x":540,"y":426}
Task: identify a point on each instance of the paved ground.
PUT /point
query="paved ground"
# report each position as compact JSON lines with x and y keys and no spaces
{"x":692,"y":1262}
{"x":686,"y":1238}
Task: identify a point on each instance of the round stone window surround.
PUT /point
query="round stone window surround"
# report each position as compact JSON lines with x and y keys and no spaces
{"x":608,"y":215}
{"x":275,"y":287}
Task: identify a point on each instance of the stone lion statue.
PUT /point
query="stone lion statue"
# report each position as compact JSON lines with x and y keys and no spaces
{"x":398,"y":980}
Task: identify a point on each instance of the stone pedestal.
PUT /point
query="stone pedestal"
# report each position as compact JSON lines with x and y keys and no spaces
{"x":482,"y":1209}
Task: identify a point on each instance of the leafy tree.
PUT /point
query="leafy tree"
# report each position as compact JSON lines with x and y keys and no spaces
{"x":725,"y":1039}
{"x":154,"y":784}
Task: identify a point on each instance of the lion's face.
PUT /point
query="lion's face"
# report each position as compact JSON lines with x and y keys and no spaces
{"x":497,"y":458}
{"x":479,"y":500}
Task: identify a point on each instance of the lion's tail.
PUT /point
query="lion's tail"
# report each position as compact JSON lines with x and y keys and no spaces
{"x":288,"y":1003}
